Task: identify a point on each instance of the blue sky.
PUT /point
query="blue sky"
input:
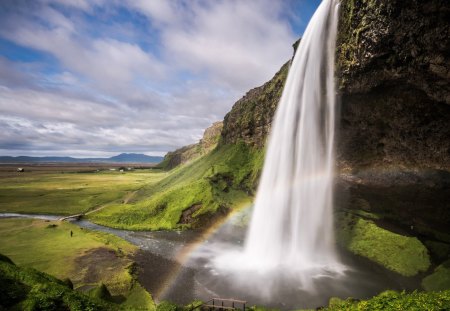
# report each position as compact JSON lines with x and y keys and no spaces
{"x":99,"y":77}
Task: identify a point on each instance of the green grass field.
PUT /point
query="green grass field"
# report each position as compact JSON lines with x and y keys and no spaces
{"x":88,"y":258}
{"x":68,"y":193}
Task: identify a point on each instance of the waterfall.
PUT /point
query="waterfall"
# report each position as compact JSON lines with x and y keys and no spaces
{"x":292,"y":222}
{"x":291,"y":229}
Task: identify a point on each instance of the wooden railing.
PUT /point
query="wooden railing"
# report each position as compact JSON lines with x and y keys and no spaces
{"x":222,"y":304}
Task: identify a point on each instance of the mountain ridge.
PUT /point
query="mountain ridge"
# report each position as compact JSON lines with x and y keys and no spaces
{"x":120,"y":158}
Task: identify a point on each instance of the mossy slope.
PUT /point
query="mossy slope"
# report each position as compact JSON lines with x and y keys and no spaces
{"x":213,"y":183}
{"x":401,"y":254}
{"x":29,"y":289}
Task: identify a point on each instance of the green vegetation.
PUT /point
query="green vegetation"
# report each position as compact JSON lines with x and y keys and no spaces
{"x":28,"y":289}
{"x":388,"y":300}
{"x":222,"y":179}
{"x":88,"y":258}
{"x":391,"y":300}
{"x":69,"y":193}
{"x":404,"y":255}
{"x":439,"y":280}
{"x":101,"y":292}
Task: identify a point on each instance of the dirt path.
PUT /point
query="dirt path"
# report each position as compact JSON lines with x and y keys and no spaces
{"x":125,"y":200}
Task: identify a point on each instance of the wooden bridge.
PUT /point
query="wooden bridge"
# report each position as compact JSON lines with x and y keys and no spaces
{"x":221,"y":304}
{"x":77,"y":217}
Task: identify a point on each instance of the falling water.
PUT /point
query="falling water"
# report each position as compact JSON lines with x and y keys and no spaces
{"x":292,"y":222}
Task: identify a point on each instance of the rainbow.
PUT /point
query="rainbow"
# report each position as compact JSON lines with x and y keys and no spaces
{"x":184,"y":254}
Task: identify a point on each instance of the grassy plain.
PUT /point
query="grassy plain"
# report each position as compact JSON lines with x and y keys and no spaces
{"x":68,"y":190}
{"x":88,"y":258}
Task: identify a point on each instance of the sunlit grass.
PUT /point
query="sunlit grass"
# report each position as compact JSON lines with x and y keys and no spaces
{"x":69,"y":193}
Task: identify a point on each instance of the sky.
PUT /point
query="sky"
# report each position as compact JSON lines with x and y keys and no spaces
{"x":88,"y":78}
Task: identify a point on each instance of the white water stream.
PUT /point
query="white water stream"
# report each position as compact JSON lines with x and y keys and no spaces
{"x":292,"y":223}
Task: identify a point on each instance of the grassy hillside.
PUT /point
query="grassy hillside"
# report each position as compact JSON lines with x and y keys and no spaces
{"x":222,"y":179}
{"x":88,"y":258}
{"x":28,"y":289}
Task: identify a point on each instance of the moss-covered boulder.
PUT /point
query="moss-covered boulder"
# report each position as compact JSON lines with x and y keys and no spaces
{"x":439,"y":280}
{"x":101,"y":292}
{"x":404,"y":255}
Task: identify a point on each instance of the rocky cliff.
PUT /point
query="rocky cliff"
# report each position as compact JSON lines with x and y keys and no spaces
{"x":188,"y":153}
{"x":251,"y":117}
{"x":394,"y":80}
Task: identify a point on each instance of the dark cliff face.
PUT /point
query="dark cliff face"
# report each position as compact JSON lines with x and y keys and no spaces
{"x":394,"y":80}
{"x":393,"y":69}
{"x":251,"y":117}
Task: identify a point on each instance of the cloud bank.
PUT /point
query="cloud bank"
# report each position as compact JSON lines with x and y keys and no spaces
{"x":94,"y":78}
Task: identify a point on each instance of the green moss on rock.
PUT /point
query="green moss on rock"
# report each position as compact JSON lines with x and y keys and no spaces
{"x":439,"y":280}
{"x":101,"y":292}
{"x":404,"y":255}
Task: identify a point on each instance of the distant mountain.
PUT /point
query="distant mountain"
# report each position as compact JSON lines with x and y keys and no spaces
{"x":121,"y":158}
{"x":135,"y":158}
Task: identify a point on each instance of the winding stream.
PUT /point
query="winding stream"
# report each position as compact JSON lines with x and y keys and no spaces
{"x":178,"y":266}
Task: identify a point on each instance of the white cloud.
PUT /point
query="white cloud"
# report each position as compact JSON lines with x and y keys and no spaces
{"x":239,"y":44}
{"x":114,"y":92}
